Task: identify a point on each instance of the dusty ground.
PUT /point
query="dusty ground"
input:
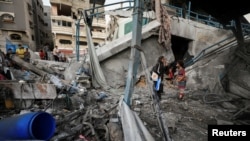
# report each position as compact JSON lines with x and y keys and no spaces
{"x":187,"y":119}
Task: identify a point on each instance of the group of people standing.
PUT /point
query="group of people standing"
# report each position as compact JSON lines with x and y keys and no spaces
{"x":163,"y":68}
{"x":43,"y":53}
{"x":22,"y":52}
{"x":57,"y":54}
{"x":6,"y":60}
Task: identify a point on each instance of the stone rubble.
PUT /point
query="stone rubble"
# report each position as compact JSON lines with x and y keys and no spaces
{"x":84,"y":113}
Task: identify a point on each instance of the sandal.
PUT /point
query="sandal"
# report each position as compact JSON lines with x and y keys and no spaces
{"x":181,"y":96}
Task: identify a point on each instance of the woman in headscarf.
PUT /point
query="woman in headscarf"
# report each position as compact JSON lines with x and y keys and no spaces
{"x":160,"y":69}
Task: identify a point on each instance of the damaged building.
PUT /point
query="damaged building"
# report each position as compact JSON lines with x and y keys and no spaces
{"x":108,"y":95}
{"x":22,"y":22}
{"x":64,"y":15}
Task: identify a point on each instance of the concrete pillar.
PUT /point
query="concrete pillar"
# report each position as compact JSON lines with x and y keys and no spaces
{"x":158,"y":10}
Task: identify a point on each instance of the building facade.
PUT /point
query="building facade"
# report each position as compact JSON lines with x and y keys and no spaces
{"x":21,"y":23}
{"x":48,"y":38}
{"x":64,"y":15}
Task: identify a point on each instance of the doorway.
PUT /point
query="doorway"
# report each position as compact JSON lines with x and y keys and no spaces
{"x":179,"y":47}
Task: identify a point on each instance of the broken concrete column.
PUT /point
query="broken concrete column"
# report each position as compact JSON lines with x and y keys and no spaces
{"x":26,"y":65}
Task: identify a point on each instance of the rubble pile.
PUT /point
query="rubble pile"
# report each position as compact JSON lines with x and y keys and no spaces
{"x":64,"y":90}
{"x":88,"y":123}
{"x":85,"y":113}
{"x":88,"y":116}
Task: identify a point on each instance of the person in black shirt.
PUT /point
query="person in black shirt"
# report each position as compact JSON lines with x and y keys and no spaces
{"x":160,"y":68}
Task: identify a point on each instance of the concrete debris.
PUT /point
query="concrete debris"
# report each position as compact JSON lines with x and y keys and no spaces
{"x":101,"y":96}
{"x":85,"y":113}
{"x":91,"y":114}
{"x":223,"y":122}
{"x":115,"y":132}
{"x":32,"y":90}
{"x":80,"y":113}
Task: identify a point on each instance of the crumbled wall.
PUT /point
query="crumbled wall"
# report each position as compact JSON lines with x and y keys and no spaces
{"x":116,"y":67}
{"x":205,"y":74}
{"x":221,"y":73}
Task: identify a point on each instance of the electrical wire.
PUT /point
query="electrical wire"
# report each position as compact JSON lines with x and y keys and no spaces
{"x":51,"y":103}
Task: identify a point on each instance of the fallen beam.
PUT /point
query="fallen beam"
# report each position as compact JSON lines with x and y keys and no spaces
{"x":27,"y":65}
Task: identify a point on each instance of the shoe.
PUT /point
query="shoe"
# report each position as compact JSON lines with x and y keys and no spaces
{"x":181,"y":96}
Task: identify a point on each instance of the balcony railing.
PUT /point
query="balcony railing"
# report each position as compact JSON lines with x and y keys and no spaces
{"x":66,"y":2}
{"x":62,"y":30}
{"x":65,"y":18}
{"x":205,"y":19}
{"x":99,"y":23}
{"x":99,"y":35}
{"x":99,"y":10}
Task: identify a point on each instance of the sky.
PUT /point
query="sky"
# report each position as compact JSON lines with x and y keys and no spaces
{"x":46,"y":2}
{"x":247,"y":16}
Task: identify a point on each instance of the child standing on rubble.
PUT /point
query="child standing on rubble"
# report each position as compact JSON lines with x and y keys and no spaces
{"x":181,"y":78}
{"x":170,"y":75}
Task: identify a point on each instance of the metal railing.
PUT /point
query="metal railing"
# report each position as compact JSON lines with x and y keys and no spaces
{"x":96,"y":11}
{"x":205,"y":51}
{"x":210,"y":21}
{"x":246,"y":28}
{"x":205,"y":19}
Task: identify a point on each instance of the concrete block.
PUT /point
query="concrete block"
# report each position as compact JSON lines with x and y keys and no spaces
{"x":33,"y":90}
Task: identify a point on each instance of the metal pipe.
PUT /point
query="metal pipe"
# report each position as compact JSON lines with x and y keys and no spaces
{"x":135,"y":54}
{"x":189,"y":9}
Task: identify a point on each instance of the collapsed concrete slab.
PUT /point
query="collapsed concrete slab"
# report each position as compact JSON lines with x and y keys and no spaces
{"x":121,"y":44}
{"x":32,"y":90}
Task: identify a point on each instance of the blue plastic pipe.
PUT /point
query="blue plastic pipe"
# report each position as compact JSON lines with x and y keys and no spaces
{"x":34,"y":125}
